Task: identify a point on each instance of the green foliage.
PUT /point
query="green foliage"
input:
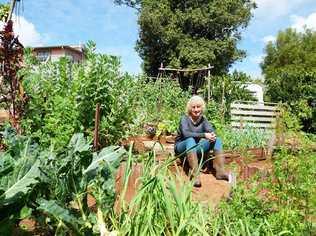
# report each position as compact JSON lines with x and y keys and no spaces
{"x":4,"y":11}
{"x":290,"y":75}
{"x":19,"y":166}
{"x":226,"y":89}
{"x":41,"y":180}
{"x":20,"y":174}
{"x":63,"y":98}
{"x":100,"y":81}
{"x":51,"y":114}
{"x":71,"y":175}
{"x":295,"y":188}
{"x":160,"y":102}
{"x":161,"y":207}
{"x":190,"y":34}
{"x":287,"y":207}
{"x":240,"y":139}
{"x":61,"y":215}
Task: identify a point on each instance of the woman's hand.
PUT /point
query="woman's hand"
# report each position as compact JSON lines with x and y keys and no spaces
{"x":210,"y":136}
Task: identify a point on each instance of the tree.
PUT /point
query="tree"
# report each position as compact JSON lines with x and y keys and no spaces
{"x":4,"y":11}
{"x":290,"y":73}
{"x":191,"y":33}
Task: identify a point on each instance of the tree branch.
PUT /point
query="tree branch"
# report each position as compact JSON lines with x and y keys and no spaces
{"x":130,"y":3}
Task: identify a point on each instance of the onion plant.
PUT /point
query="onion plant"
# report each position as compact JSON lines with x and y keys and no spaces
{"x":162,"y":206}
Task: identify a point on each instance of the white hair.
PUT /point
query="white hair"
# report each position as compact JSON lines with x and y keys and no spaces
{"x":195,"y":100}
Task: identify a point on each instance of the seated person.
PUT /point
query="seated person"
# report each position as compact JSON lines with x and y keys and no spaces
{"x":197,"y":137}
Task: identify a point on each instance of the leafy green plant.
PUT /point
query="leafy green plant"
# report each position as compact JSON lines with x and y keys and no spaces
{"x":74,"y":174}
{"x":161,"y":101}
{"x":100,"y":81}
{"x":20,"y":178}
{"x":62,"y":98}
{"x":226,"y":89}
{"x":51,"y":115}
{"x":234,"y":139}
{"x":34,"y":180}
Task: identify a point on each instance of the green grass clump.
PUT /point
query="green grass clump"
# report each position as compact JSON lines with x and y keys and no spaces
{"x":161,"y":207}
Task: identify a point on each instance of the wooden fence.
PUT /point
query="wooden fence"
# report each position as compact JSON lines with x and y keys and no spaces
{"x":254,"y":114}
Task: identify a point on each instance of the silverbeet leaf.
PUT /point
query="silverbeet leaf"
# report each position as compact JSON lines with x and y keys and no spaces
{"x":23,"y":186}
{"x":107,"y":155}
{"x":60,"y":214}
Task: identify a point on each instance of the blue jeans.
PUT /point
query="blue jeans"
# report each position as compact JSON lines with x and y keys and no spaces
{"x":199,"y":146}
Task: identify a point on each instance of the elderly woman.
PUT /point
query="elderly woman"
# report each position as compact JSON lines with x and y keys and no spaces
{"x":196,"y":137}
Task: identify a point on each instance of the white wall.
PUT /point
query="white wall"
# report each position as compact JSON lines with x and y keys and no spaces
{"x":256,"y":90}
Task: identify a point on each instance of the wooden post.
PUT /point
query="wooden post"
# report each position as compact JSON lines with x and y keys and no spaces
{"x":209,"y":84}
{"x":96,"y":127}
{"x":223,"y":101}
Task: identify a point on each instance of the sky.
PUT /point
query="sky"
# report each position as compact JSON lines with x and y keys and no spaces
{"x":115,"y":30}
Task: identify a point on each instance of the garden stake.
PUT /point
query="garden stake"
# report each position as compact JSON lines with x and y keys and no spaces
{"x":96,"y":128}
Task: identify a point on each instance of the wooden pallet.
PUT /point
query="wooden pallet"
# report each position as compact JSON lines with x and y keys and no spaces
{"x":253,"y":114}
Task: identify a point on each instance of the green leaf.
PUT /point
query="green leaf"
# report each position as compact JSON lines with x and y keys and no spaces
{"x":60,"y":214}
{"x":78,"y":143}
{"x":6,"y":164}
{"x":25,"y":212}
{"x":23,"y":186}
{"x":108,"y":155}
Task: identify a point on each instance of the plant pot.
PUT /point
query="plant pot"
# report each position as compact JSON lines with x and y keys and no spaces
{"x":230,"y":156}
{"x":258,"y":153}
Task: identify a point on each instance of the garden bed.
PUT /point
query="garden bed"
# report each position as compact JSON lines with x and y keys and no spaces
{"x":165,"y":146}
{"x":248,"y":162}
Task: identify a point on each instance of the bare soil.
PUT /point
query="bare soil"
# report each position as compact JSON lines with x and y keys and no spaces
{"x":212,"y":190}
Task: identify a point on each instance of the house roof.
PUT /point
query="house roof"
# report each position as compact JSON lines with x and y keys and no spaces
{"x":76,"y":48}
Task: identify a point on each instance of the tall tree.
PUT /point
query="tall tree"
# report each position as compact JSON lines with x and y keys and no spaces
{"x":290,"y":73}
{"x":190,"y":33}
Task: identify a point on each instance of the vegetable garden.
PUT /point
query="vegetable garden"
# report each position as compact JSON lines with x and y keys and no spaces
{"x":51,"y":176}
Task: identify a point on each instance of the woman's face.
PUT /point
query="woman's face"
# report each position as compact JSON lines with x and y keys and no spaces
{"x":196,"y":111}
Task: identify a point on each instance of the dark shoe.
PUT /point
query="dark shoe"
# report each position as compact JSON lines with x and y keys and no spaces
{"x":197,"y":183}
{"x":194,"y":169}
{"x":218,"y":165}
{"x":222,"y":176}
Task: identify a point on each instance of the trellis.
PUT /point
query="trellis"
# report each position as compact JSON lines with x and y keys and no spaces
{"x":196,"y":78}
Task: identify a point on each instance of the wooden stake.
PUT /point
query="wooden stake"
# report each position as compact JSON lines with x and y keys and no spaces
{"x":96,"y":127}
{"x":209,"y":84}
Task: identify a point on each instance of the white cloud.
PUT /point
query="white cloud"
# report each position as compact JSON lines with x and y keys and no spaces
{"x":26,"y":31}
{"x":257,"y":59}
{"x":272,"y":9}
{"x":268,"y":38}
{"x":299,"y":22}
